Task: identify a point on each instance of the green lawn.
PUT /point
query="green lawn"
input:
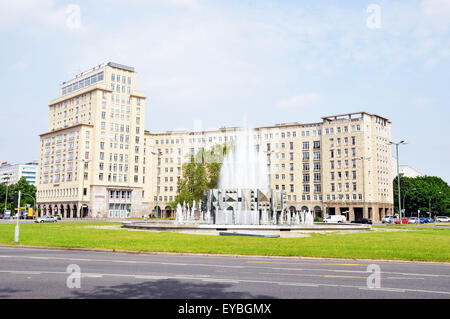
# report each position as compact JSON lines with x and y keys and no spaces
{"x":411,"y":244}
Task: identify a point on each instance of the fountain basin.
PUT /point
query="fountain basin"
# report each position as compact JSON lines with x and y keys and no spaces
{"x":316,"y":227}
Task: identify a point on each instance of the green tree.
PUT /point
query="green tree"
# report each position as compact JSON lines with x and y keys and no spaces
{"x":422,"y":193}
{"x":13,"y":189}
{"x":200,"y":173}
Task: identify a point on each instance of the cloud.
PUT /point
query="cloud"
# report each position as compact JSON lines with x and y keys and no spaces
{"x":300,"y":101}
{"x":437,"y":13}
{"x":19,"y":66}
{"x":43,"y":13}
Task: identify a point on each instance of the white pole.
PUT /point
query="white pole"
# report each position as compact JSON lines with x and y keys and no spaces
{"x":16,"y":231}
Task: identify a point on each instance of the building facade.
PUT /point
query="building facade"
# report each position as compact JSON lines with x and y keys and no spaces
{"x":92,"y":159}
{"x":341,"y":165}
{"x":11,"y":173}
{"x":97,"y":160}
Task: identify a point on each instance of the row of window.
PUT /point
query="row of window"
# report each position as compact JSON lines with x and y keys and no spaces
{"x":83,"y":83}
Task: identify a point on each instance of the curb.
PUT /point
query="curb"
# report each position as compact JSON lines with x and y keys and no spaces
{"x":135,"y":252}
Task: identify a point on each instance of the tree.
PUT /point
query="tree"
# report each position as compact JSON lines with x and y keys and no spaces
{"x":421,"y":193}
{"x":200,"y":173}
{"x":13,"y":189}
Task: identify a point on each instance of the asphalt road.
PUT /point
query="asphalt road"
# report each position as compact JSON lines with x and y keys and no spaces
{"x":42,"y":273}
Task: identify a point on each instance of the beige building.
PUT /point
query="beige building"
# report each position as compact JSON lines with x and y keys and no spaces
{"x":97,"y":160}
{"x":318,"y":165}
{"x":92,"y":159}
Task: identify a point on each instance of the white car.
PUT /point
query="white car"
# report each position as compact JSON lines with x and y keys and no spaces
{"x":443,"y":219}
{"x":46,"y":219}
{"x":335,"y":219}
{"x":388,"y":219}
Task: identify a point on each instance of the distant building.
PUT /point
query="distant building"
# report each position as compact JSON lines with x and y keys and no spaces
{"x":404,"y":170}
{"x":12,"y":173}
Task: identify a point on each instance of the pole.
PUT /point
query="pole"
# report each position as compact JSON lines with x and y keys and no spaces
{"x":398,"y":185}
{"x":364,"y":189}
{"x":6,"y":199}
{"x":16,"y":230}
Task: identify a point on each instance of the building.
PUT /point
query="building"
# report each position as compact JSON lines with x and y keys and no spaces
{"x":92,"y":158}
{"x":340,"y":165}
{"x":97,"y":160}
{"x":404,"y":170}
{"x":11,"y":174}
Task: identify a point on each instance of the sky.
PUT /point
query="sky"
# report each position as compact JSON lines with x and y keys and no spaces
{"x":211,"y":62}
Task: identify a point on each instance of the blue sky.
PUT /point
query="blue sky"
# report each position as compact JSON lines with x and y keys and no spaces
{"x":213,"y":61}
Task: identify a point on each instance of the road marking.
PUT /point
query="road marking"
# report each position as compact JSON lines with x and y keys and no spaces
{"x":295,"y":263}
{"x":298,"y":284}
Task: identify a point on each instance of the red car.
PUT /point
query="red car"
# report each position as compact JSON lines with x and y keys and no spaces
{"x":404,"y":220}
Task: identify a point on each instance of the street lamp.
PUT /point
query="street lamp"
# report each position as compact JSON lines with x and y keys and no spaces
{"x":34,"y":201}
{"x":429,"y":205}
{"x":362,"y":159}
{"x":269,"y":157}
{"x":83,"y":206}
{"x":398,"y":177}
{"x":157,"y":209}
{"x":404,"y":196}
{"x":7,"y":178}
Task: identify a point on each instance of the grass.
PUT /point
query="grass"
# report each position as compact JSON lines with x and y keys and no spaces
{"x":407,"y":244}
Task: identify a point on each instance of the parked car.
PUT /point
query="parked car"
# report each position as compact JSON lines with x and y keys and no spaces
{"x":404,"y":220}
{"x":424,"y":220}
{"x":362,"y":221}
{"x":335,"y":219}
{"x":46,"y":219}
{"x":412,"y":220}
{"x":388,"y":220}
{"x":443,"y":219}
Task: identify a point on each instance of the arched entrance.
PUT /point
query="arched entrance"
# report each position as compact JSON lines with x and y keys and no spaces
{"x":167,"y":212}
{"x":305,"y":209}
{"x":317,"y":211}
{"x":74,"y":211}
{"x":157,"y":212}
{"x":292,"y":209}
{"x":84,"y":211}
{"x":61,"y":211}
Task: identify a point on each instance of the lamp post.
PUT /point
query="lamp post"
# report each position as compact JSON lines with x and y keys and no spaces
{"x":404,"y":196}
{"x":83,"y":206}
{"x":17,"y":230}
{"x":398,"y":178}
{"x":429,"y":205}
{"x":363,"y":159}
{"x":7,"y":178}
{"x":157,"y":209}
{"x":269,"y":157}
{"x":34,"y":201}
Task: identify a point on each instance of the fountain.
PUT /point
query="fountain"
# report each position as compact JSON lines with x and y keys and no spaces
{"x":243,"y":200}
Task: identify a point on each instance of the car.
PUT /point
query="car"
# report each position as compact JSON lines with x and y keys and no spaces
{"x":443,"y":219}
{"x":362,"y":221}
{"x":46,"y":219}
{"x":413,"y":220}
{"x":404,"y":220}
{"x":335,"y":219}
{"x":424,"y":220}
{"x":388,"y":220}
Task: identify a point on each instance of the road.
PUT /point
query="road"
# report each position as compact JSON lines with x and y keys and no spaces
{"x":43,"y":273}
